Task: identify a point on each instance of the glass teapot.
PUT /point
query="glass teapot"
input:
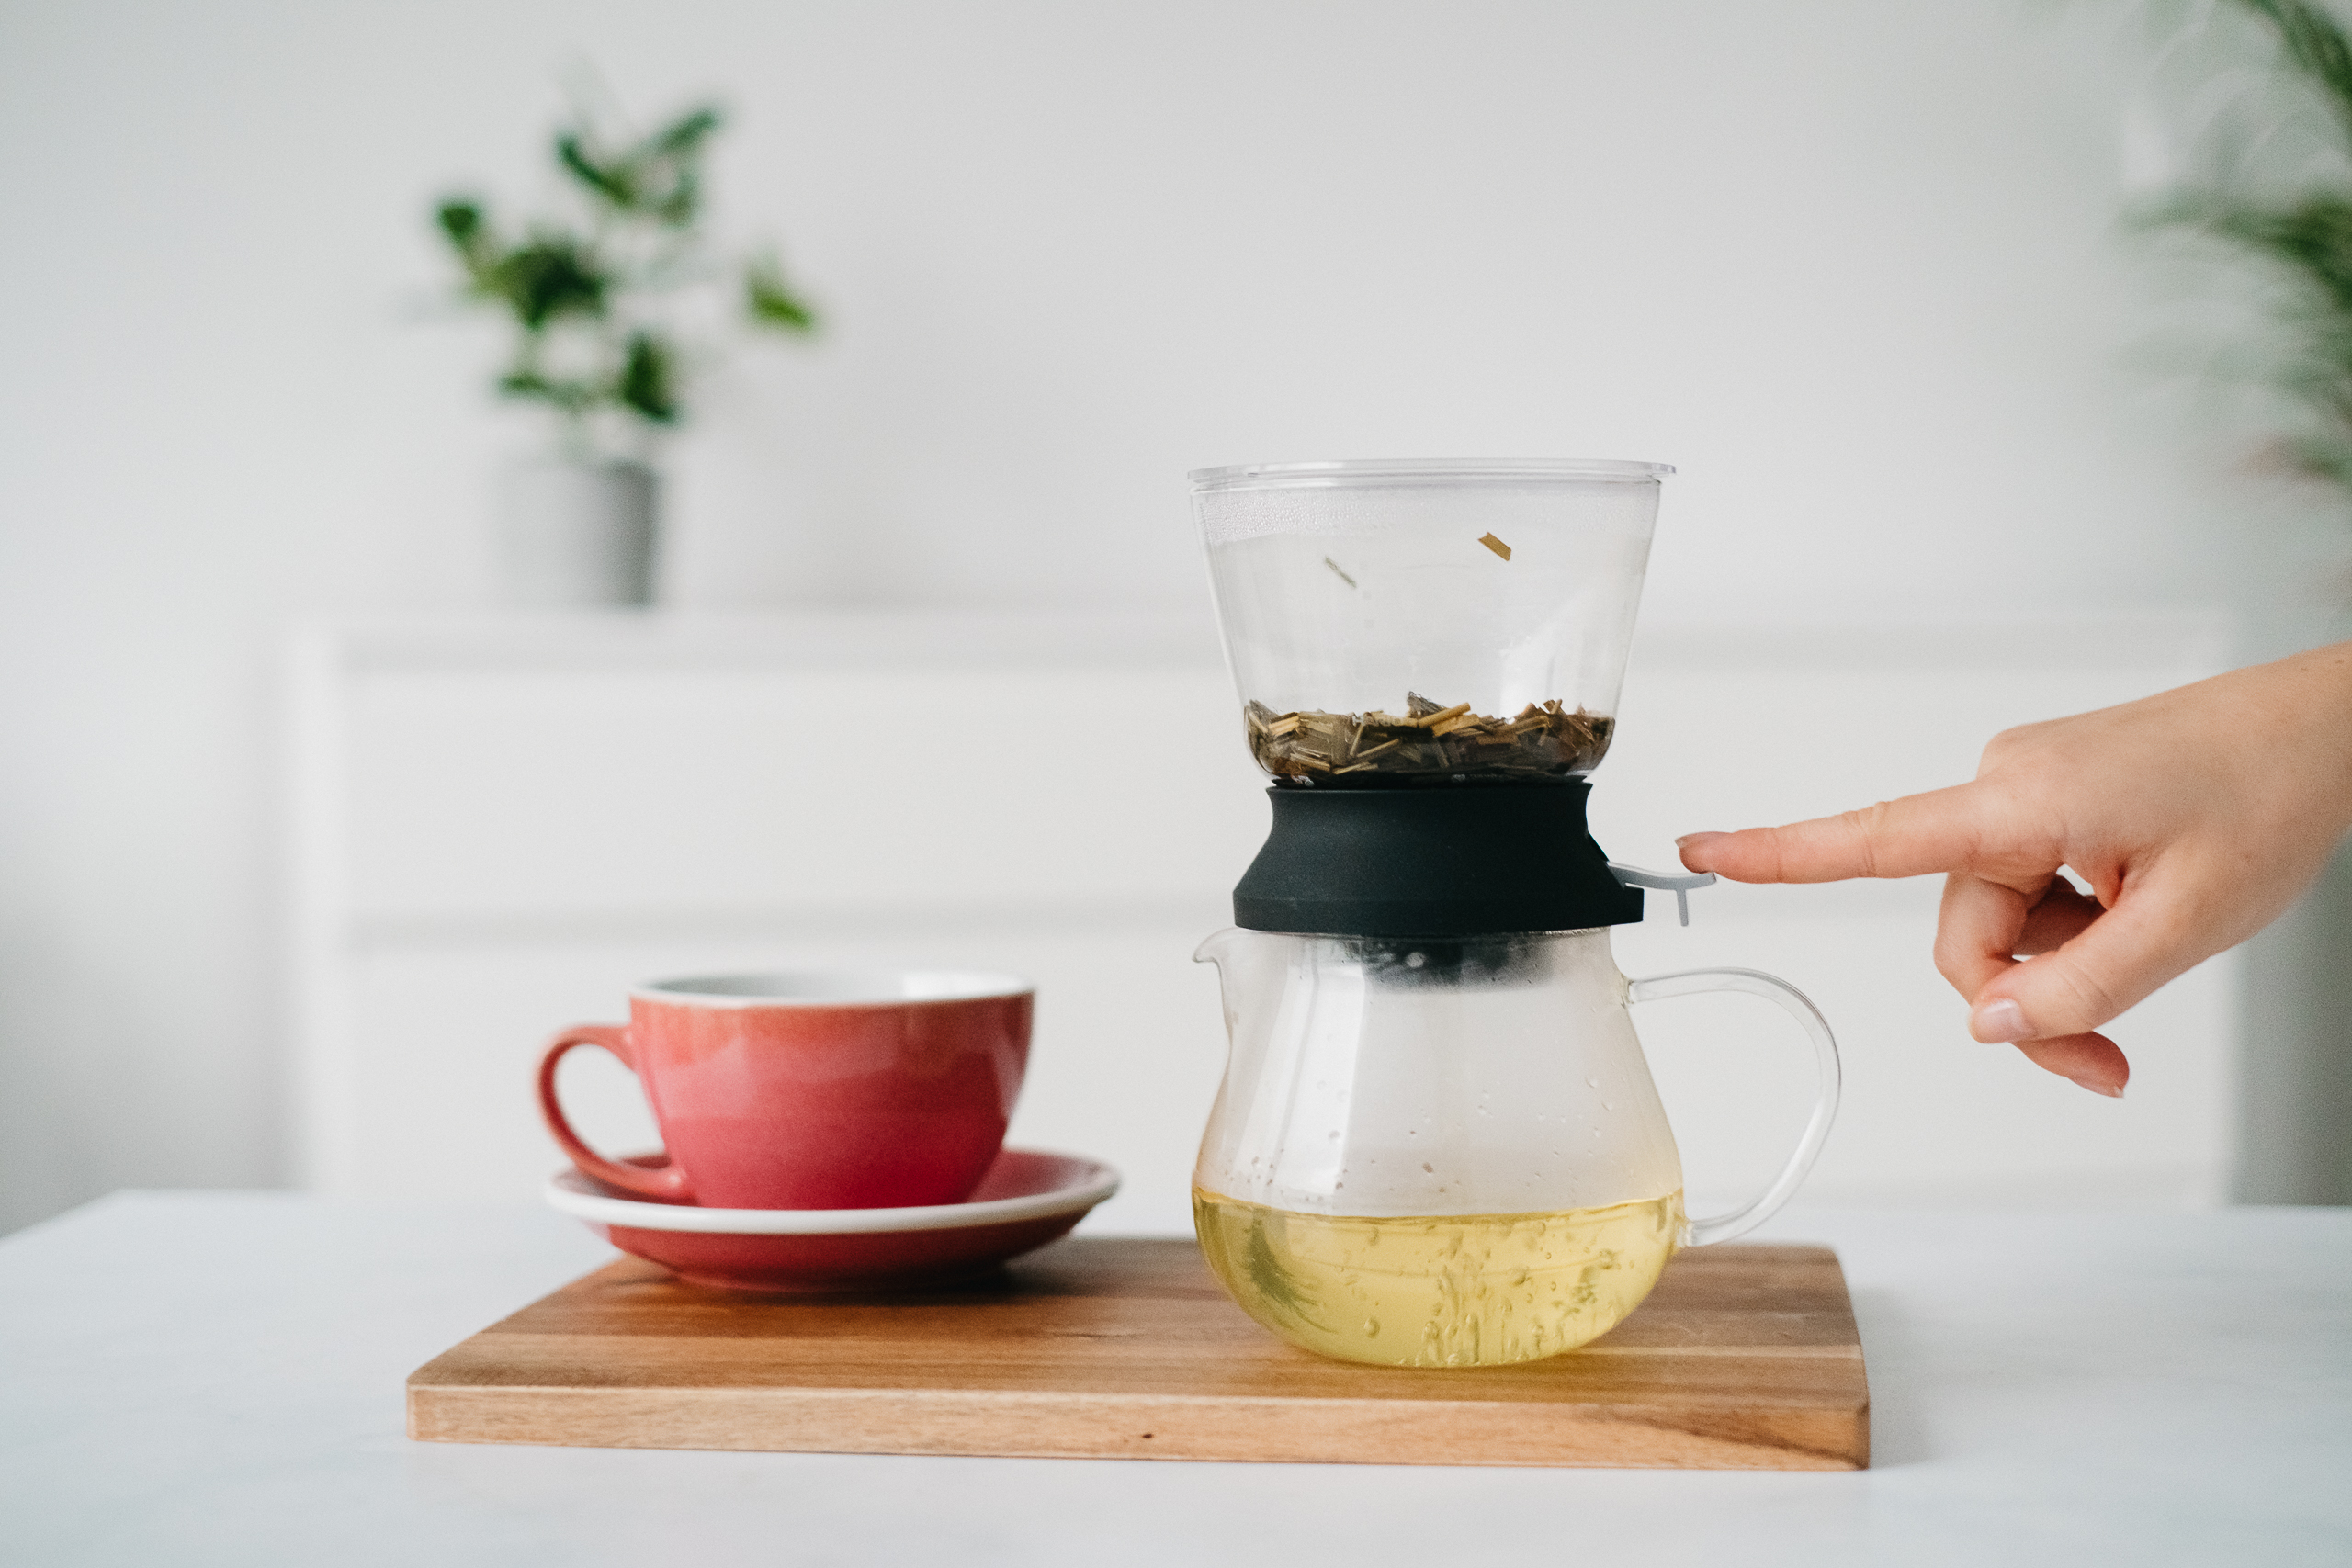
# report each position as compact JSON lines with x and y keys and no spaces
{"x":1437,"y":1142}
{"x":1449,"y":1152}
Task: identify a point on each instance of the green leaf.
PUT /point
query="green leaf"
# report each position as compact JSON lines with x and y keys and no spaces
{"x":572,"y":397}
{"x":667,"y":166}
{"x":613,"y":184}
{"x":461,"y":220}
{"x":771,"y":301}
{"x":684,"y":136}
{"x":552,"y":276}
{"x":647,"y":384}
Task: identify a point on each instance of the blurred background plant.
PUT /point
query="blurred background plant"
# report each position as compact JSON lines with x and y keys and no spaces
{"x":593,"y":299}
{"x":2278,"y":190}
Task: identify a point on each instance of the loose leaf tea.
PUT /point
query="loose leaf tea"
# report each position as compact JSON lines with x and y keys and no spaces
{"x":1429,"y":744}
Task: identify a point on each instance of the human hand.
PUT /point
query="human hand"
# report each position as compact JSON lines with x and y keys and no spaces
{"x":2196,"y":816}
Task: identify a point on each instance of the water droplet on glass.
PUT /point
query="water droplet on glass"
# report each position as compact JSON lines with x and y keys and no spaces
{"x":1592,"y":1083}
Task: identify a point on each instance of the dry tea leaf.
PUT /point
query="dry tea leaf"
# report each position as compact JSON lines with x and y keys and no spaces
{"x":1427,"y":742}
{"x":1491,"y":543}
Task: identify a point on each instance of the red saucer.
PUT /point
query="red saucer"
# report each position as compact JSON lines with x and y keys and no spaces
{"x":1027,"y":1199}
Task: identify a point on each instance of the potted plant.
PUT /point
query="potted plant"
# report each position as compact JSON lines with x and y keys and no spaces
{"x":592,"y":300}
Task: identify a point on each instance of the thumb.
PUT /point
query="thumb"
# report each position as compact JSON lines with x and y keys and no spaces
{"x":2118,"y":959}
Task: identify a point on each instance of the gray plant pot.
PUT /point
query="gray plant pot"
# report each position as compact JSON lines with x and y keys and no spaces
{"x":577,"y":535}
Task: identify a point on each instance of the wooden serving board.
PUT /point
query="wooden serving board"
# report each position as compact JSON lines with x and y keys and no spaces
{"x":1745,"y":1357}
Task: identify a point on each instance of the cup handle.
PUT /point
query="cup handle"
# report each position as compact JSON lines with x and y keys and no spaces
{"x":665,"y":1183}
{"x":1690,"y":983}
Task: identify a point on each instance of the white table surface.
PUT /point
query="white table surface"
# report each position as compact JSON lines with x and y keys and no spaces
{"x":216,"y":1378}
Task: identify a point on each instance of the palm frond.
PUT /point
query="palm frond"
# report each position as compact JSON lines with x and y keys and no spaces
{"x":2314,"y":45}
{"x":2301,"y":242}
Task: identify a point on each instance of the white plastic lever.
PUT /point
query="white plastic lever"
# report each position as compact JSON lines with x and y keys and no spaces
{"x":1679,"y":883}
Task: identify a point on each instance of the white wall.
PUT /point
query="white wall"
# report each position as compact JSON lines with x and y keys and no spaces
{"x":1853,"y":266}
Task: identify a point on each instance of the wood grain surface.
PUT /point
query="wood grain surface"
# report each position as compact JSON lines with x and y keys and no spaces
{"x":1745,"y":1357}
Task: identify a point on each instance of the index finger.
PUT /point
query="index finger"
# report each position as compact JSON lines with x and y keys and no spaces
{"x":1941,"y":830}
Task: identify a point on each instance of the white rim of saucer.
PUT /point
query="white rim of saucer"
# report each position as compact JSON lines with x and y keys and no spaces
{"x":564,"y":1196}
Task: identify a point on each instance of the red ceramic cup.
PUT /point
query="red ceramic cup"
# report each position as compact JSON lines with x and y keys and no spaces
{"x":813,"y":1091}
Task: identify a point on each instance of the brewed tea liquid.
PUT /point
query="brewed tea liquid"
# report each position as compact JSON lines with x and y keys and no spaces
{"x":1442,"y":1291}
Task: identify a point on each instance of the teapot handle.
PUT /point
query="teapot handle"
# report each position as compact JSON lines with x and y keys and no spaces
{"x":1690,"y":983}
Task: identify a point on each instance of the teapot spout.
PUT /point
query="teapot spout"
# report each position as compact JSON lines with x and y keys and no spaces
{"x":1250,"y":966}
{"x":1218,"y":948}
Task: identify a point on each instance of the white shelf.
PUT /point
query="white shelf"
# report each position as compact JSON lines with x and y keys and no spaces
{"x":499,"y":824}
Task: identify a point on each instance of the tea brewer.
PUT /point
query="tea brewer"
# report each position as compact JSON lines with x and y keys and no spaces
{"x":1437,"y":1142}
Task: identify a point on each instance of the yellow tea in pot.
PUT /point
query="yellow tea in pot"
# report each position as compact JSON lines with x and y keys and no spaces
{"x":1438,"y":1290}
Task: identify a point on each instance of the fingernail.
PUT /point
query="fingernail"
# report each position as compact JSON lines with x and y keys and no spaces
{"x":1999,"y":1022}
{"x":1688,"y":839}
{"x":2112,"y":1091}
